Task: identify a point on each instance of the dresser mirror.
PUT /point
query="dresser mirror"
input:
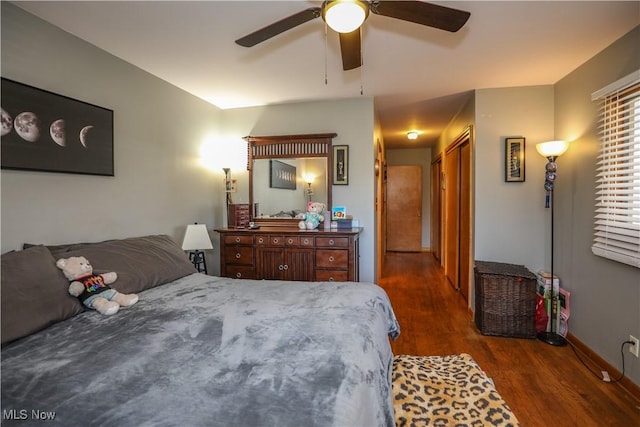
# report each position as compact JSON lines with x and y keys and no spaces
{"x":280,"y":168}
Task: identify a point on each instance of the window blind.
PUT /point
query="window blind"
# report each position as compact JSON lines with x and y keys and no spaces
{"x":617,"y":215}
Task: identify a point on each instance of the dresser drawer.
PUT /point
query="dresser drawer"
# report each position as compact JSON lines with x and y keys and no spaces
{"x":240,"y":272}
{"x":306,"y":241}
{"x":332,"y":242}
{"x":332,"y":258}
{"x":269,"y":240}
{"x":331,"y":275}
{"x":291,"y":240}
{"x":238,"y":239}
{"x":239,"y":255}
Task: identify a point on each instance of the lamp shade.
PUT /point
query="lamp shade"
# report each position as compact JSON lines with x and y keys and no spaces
{"x":344,"y":16}
{"x":196,"y":237}
{"x":552,"y":148}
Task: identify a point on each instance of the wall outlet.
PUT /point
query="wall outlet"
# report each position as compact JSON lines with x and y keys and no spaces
{"x":635,"y":348}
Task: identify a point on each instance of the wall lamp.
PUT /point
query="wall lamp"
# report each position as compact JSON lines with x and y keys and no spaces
{"x":309,"y":180}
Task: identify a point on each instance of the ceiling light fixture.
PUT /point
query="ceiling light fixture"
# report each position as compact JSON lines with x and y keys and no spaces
{"x":412,"y":135}
{"x":344,"y":16}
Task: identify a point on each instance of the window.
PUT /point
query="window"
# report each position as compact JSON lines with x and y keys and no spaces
{"x":617,"y":216}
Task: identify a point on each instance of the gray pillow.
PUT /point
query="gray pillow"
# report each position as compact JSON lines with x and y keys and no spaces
{"x":58,"y":250}
{"x":34,"y":293}
{"x":140,"y":262}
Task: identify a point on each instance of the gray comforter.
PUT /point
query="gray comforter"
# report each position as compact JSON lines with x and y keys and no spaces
{"x":210,"y":351}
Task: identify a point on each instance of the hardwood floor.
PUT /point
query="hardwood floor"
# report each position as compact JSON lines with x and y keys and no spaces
{"x":543,"y":385}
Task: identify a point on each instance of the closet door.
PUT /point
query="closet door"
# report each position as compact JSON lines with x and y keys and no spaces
{"x":465,"y":261}
{"x":452,"y":216}
{"x":436,"y":221}
{"x":458,"y":252}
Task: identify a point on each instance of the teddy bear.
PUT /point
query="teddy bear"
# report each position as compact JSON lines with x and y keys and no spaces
{"x":93,"y":290}
{"x":313,"y":217}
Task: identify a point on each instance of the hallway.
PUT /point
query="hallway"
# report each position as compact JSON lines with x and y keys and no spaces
{"x":543,"y":385}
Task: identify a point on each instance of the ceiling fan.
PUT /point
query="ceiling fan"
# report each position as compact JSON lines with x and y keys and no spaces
{"x":346,"y":17}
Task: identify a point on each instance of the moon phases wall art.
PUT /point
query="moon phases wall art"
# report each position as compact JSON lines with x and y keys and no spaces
{"x":44,"y":131}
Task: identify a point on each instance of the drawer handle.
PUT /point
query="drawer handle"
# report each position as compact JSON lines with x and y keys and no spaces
{"x":290,"y":241}
{"x":238,"y":275}
{"x":306,"y":241}
{"x":260,"y":240}
{"x":286,"y":267}
{"x":331,"y":279}
{"x":331,"y":242}
{"x":238,"y":256}
{"x":331,"y":259}
{"x":275,"y":241}
{"x":237,"y":239}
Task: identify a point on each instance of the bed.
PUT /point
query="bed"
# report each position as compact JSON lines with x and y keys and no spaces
{"x":196,"y":350}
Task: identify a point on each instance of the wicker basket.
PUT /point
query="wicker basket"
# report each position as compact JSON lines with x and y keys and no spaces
{"x":505,"y":300}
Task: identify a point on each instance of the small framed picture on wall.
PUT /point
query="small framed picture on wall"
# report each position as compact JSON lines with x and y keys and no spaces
{"x":340,"y":165}
{"x":514,"y":159}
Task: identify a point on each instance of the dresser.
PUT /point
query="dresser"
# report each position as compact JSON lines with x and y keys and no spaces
{"x":290,"y":254}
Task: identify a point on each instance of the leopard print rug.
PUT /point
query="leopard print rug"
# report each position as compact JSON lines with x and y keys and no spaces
{"x":446,"y":391}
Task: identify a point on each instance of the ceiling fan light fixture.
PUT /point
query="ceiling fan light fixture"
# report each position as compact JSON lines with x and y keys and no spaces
{"x":344,"y":16}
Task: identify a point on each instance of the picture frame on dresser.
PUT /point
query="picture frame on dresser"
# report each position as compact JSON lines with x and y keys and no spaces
{"x":47,"y":132}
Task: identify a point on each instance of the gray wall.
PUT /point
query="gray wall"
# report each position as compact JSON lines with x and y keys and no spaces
{"x":511,"y":222}
{"x":159,"y":185}
{"x":605,"y":295}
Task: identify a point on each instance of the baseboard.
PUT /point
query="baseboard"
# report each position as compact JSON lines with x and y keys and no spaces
{"x":629,"y":386}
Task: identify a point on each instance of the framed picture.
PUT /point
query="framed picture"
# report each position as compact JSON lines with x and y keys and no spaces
{"x":514,"y":160}
{"x":340,"y":165}
{"x":43,"y":131}
{"x":282,"y":175}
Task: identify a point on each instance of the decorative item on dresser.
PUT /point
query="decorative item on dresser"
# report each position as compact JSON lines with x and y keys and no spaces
{"x":238,"y":215}
{"x":290,"y":254}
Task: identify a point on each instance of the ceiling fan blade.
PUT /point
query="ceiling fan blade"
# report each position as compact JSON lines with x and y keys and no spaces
{"x":279,"y":27}
{"x":350,"y":47}
{"x":432,"y":15}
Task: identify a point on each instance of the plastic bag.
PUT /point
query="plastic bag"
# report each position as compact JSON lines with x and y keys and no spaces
{"x":542,"y":318}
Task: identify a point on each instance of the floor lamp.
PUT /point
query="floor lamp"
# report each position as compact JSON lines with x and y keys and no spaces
{"x":551,"y":150}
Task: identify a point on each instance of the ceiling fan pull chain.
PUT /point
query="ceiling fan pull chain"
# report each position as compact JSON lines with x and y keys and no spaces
{"x":361,"y":80}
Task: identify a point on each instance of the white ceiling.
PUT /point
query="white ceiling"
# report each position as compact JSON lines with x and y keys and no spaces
{"x":418,"y":76}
